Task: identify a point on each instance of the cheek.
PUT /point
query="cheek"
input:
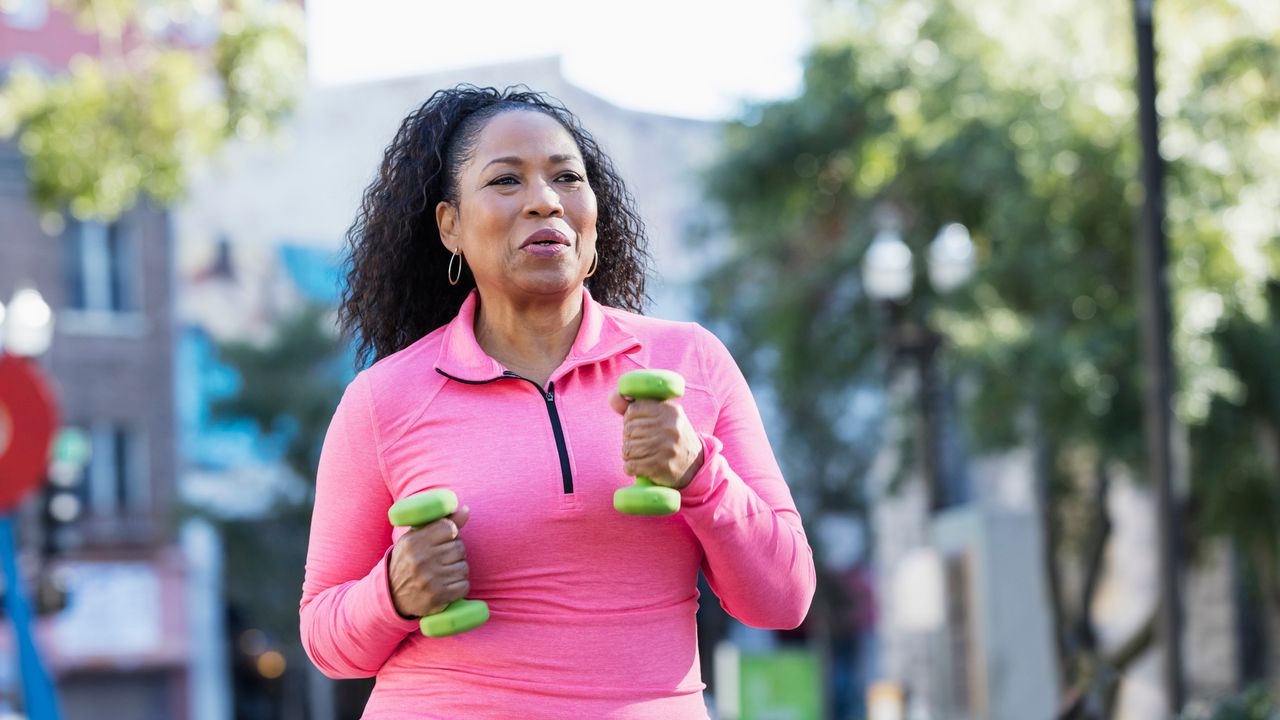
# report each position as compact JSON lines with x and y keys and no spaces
{"x":484,"y":224}
{"x":588,"y":215}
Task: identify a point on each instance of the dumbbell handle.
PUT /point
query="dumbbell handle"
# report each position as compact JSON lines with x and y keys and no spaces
{"x":422,"y":509}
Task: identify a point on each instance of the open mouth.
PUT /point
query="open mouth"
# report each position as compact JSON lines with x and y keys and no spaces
{"x":546,"y":237}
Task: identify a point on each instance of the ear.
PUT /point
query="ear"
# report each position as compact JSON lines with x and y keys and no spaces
{"x":447,"y":221}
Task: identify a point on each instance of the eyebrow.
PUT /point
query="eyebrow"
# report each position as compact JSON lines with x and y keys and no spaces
{"x":513,"y":160}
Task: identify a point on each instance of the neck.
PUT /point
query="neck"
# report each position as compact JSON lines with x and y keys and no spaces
{"x":530,"y":339}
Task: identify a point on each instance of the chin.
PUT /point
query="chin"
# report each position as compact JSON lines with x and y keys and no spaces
{"x":549,"y":284}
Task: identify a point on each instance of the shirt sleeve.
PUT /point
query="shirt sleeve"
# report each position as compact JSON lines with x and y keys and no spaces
{"x":757,"y":558}
{"x":349,"y":625}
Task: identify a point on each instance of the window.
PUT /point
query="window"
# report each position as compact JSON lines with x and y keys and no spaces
{"x":101,"y":268}
{"x":116,"y":480}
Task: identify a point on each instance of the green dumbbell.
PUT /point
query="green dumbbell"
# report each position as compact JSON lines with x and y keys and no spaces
{"x":416,"y":511}
{"x":643,"y":497}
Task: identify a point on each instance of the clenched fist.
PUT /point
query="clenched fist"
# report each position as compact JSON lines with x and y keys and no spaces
{"x":428,"y":568}
{"x":658,"y":441}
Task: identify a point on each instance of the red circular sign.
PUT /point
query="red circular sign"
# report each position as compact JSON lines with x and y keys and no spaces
{"x":28,"y":419}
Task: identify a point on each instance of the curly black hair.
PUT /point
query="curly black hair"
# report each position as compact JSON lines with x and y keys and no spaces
{"x":396,"y":290}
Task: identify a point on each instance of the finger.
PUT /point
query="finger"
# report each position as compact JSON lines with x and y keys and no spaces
{"x":457,"y":590}
{"x":644,"y":407}
{"x":648,"y":465}
{"x":641,"y":447}
{"x":618,"y":403}
{"x":640,"y":428}
{"x":438,"y":532}
{"x":452,"y":553}
{"x":453,"y":572}
{"x":461,"y":516}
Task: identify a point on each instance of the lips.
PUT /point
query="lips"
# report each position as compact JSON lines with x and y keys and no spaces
{"x":546,"y":236}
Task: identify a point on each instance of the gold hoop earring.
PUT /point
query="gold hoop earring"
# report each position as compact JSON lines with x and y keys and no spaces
{"x":594,"y":264}
{"x":454,"y":278}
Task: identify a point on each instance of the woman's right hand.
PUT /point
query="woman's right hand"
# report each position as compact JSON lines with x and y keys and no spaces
{"x":428,"y":568}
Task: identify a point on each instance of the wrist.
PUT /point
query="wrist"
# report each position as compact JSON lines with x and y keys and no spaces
{"x":692,"y":471}
{"x":391,"y":591}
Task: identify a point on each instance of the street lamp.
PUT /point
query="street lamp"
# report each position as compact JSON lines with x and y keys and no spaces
{"x":888,"y":276}
{"x":26,"y":329}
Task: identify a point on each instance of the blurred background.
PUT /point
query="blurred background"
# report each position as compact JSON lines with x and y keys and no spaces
{"x":1021,"y":371}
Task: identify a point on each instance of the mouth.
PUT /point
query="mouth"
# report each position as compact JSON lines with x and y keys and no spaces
{"x":546,"y":237}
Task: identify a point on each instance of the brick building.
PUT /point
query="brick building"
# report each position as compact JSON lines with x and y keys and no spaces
{"x":120,"y":647}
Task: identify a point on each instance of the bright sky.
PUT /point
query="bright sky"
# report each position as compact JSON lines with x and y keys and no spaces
{"x":693,"y":58}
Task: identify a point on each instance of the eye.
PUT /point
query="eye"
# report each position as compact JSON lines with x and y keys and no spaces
{"x":569,"y":176}
{"x":504,"y":180}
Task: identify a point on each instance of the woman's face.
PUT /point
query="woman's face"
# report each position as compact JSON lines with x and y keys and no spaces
{"x":525,"y":221}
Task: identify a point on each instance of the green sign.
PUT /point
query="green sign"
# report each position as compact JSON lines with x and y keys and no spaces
{"x":780,"y":685}
{"x":72,"y":446}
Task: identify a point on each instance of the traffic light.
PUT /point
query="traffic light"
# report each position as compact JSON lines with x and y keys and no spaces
{"x":64,"y":495}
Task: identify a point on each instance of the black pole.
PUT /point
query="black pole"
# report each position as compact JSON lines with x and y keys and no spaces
{"x":1157,"y":358}
{"x":930,"y":462}
{"x":915,"y":342}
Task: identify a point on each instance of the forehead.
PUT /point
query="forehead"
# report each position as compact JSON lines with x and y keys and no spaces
{"x":524,"y":134}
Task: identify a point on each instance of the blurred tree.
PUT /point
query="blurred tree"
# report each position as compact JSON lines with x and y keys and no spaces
{"x":1236,"y":462}
{"x":173,"y":81}
{"x":993,"y":115}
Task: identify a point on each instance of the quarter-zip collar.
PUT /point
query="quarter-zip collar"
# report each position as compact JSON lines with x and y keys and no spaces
{"x":599,"y":338}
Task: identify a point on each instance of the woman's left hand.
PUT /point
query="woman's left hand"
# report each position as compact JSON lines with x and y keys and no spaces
{"x":658,"y":441}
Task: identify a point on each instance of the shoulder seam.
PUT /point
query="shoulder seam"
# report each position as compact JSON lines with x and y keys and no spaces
{"x":438,"y":383}
{"x":700,"y":348}
{"x":373,"y":424}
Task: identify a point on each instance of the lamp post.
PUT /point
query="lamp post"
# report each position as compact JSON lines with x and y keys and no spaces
{"x":28,"y":419}
{"x":890,"y":273}
{"x":1157,"y":359}
{"x":889,"y":276}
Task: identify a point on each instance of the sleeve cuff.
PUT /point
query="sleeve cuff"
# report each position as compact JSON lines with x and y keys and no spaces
{"x":704,"y":482}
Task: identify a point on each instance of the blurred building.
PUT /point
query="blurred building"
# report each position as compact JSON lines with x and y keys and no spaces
{"x":123,"y":644}
{"x":969,"y":630}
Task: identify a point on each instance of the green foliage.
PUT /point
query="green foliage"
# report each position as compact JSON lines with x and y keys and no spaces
{"x":937,"y":140}
{"x":1236,"y":452}
{"x":133,"y":122}
{"x":1253,"y":704}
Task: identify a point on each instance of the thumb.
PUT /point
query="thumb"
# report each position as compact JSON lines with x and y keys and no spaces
{"x":618,"y":403}
{"x":460,"y":516}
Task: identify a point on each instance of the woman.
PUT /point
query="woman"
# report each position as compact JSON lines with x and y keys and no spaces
{"x":496,"y":268}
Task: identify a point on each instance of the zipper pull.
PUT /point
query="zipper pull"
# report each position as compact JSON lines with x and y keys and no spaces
{"x":551,"y":393}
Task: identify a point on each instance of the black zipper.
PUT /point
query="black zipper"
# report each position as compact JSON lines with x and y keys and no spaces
{"x":549,"y":397}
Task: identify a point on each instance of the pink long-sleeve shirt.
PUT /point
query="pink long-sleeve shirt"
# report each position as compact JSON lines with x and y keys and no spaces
{"x":592,"y":611}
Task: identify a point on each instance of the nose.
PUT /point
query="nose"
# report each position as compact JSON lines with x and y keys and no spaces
{"x":543,"y":201}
